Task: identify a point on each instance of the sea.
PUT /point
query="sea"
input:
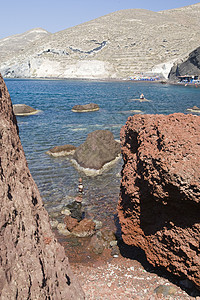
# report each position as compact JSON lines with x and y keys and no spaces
{"x":56,"y":124}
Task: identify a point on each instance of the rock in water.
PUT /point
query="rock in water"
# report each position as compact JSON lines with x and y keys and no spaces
{"x":159,"y":205}
{"x":62,"y":150}
{"x":24,"y":110}
{"x":194,"y":109}
{"x":33,"y":264}
{"x":98,"y":149}
{"x":85,"y":108}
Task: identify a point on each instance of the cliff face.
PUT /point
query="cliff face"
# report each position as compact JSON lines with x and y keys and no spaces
{"x":159,"y":205}
{"x":191,"y":66}
{"x":32,"y":263}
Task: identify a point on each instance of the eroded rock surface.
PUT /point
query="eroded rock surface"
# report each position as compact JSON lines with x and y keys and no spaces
{"x":33,"y":264}
{"x":159,"y":205}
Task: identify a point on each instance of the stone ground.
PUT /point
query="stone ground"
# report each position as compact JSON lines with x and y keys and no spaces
{"x":124,"y":278}
{"x":128,"y":276}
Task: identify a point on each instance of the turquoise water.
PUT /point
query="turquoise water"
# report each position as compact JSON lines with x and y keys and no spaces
{"x":57,"y":179}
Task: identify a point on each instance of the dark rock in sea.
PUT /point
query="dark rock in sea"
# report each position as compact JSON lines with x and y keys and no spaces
{"x":33,"y":264}
{"x":85,"y":108}
{"x":159,"y":205}
{"x":191,"y":66}
{"x":24,"y":110}
{"x":99,"y":148}
{"x":62,"y":150}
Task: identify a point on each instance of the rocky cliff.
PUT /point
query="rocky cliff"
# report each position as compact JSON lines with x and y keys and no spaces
{"x":159,"y":204}
{"x":117,"y":45}
{"x":33,"y":264}
{"x":189,"y":66}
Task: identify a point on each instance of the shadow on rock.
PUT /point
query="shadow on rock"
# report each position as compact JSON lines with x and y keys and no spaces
{"x":138,"y":254}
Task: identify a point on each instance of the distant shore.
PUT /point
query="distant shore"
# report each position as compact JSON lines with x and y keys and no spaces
{"x":162,"y":81}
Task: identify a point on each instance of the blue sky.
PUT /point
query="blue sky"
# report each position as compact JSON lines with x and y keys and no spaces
{"x":18,"y":16}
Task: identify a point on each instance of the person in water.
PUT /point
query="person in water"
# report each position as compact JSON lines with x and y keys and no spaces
{"x":141,"y":96}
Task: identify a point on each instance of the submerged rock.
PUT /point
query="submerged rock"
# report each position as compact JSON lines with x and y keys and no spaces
{"x":33,"y":264}
{"x":159,"y":203}
{"x":86,"y":107}
{"x":99,"y":148}
{"x":24,"y":110}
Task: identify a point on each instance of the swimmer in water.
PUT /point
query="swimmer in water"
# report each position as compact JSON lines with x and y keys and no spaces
{"x":141,"y":96}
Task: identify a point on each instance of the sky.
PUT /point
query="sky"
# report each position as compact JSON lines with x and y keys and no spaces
{"x":18,"y":16}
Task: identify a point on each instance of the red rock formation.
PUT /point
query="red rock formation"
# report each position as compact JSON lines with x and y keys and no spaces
{"x":33,"y":264}
{"x":159,"y":205}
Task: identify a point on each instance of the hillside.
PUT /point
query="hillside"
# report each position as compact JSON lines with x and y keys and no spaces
{"x":117,"y":45}
{"x":12,"y":45}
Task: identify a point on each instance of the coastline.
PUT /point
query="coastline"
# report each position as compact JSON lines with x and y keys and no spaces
{"x":167,"y":82}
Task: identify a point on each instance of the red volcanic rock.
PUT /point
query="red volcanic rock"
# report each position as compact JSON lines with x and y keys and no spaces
{"x":33,"y":264}
{"x":84,"y":228}
{"x":159,"y":205}
{"x":70,"y":222}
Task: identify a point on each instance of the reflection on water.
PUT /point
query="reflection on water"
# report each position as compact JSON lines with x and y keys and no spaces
{"x":57,"y":178}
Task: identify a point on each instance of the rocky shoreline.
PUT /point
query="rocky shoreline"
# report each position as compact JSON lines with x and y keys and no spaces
{"x":127,"y":276}
{"x":160,"y":173}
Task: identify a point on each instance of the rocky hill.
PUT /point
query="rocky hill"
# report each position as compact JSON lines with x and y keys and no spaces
{"x":13,"y":45}
{"x":117,"y":45}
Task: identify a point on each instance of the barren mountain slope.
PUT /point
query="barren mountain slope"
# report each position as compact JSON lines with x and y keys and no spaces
{"x":14,"y":44}
{"x":117,"y":45}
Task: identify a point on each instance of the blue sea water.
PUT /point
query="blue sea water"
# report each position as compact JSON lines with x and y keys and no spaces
{"x":56,"y":124}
